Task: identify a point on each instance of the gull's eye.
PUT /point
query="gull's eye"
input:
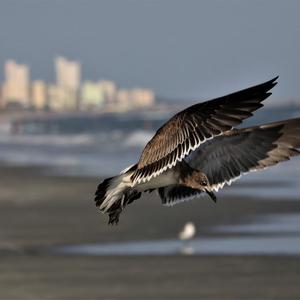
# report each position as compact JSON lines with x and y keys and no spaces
{"x":204,"y":182}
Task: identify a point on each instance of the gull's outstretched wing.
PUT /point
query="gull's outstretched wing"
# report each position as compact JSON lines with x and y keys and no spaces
{"x":227,"y":157}
{"x":193,"y":126}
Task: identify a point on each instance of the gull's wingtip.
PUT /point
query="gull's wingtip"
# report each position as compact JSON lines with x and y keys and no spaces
{"x":268,"y":85}
{"x":274,"y":80}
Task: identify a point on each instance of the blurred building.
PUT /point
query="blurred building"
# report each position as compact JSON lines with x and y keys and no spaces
{"x":108,"y":89}
{"x":98,"y":94}
{"x":38,"y":94}
{"x":91,"y":95}
{"x":68,"y":74}
{"x":135,"y":98}
{"x":15,"y":88}
{"x":142,"y":97}
{"x":2,"y":104}
{"x":54,"y":102}
{"x":123,"y":99}
{"x":61,"y":99}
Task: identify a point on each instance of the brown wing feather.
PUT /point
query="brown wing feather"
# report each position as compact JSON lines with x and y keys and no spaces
{"x":237,"y":152}
{"x":193,"y":126}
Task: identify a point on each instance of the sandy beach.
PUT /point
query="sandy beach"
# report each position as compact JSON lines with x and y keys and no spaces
{"x":38,"y":211}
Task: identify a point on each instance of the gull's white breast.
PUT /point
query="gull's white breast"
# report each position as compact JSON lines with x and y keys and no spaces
{"x":166,"y":178}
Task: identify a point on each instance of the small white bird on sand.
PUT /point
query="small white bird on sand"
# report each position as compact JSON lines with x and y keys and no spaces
{"x":186,"y":234}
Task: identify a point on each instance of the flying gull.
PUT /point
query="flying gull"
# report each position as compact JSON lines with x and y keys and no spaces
{"x":199,"y":150}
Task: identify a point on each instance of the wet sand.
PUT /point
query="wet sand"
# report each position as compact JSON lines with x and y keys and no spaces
{"x":38,"y":211}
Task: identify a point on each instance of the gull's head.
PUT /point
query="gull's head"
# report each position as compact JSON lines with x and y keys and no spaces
{"x":196,"y":180}
{"x":188,"y":231}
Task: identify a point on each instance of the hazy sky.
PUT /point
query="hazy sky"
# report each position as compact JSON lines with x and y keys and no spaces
{"x":182,"y":49}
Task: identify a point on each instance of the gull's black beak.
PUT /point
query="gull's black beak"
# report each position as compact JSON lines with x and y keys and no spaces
{"x":211,"y":195}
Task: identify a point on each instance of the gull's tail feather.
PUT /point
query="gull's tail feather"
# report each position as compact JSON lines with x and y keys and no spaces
{"x":101,"y":191}
{"x":110,"y":196}
{"x":114,"y":193}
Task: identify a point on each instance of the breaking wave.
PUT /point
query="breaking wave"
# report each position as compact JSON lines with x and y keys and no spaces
{"x":138,"y":138}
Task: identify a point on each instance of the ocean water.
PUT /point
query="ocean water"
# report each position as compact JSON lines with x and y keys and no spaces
{"x":104,"y":145}
{"x":91,"y":154}
{"x":86,"y":145}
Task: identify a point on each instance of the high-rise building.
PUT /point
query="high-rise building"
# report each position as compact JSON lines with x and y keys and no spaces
{"x":38,"y":94}
{"x":67,"y":73}
{"x":67,"y":82}
{"x":16,"y":84}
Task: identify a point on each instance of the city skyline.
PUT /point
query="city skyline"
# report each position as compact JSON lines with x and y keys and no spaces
{"x":68,"y":92}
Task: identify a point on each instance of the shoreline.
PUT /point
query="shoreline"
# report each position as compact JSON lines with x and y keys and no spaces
{"x":39,"y":211}
{"x":63,"y":207}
